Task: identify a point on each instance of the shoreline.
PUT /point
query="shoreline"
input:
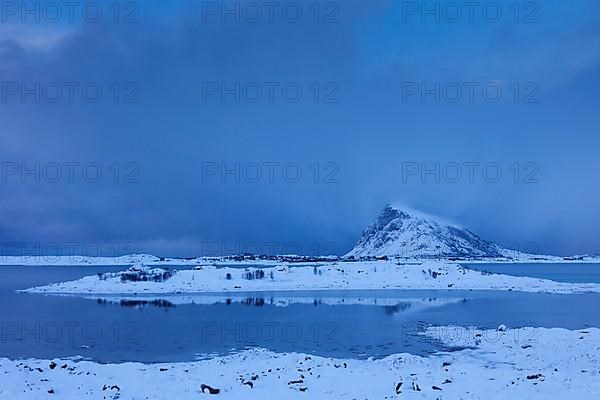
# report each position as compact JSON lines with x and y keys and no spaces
{"x":536,"y":364}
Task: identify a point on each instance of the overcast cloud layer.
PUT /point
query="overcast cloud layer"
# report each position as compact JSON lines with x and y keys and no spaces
{"x":188,"y":169}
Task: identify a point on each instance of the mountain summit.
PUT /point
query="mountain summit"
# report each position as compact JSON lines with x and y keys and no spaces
{"x":402,"y":232}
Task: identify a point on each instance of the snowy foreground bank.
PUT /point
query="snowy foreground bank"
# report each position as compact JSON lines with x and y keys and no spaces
{"x":329,"y":276}
{"x":515,"y":364}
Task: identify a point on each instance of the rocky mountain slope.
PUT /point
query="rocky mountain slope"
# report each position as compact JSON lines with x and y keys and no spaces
{"x":402,"y":232}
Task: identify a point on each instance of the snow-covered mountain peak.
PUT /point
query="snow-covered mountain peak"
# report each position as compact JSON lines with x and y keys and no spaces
{"x":407,"y":212}
{"x":401,"y":231}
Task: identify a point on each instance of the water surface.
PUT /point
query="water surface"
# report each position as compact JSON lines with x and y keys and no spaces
{"x":160,"y":330}
{"x":568,"y":272}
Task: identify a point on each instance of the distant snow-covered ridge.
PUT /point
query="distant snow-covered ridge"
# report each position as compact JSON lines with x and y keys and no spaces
{"x":509,"y":256}
{"x":522,"y":363}
{"x":329,"y":276}
{"x":148,"y":259}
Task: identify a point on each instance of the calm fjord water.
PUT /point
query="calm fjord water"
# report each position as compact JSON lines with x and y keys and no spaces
{"x":571,"y":273}
{"x":156,"y":330}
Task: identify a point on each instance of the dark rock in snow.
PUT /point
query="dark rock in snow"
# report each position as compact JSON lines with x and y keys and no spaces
{"x":211,"y":390}
{"x":398,"y":386}
{"x":248,"y":383}
{"x":536,"y":376}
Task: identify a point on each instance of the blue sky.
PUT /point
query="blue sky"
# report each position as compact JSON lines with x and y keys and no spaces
{"x":362,"y":133}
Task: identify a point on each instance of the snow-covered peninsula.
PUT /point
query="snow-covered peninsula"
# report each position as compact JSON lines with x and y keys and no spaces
{"x":332,"y":276}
